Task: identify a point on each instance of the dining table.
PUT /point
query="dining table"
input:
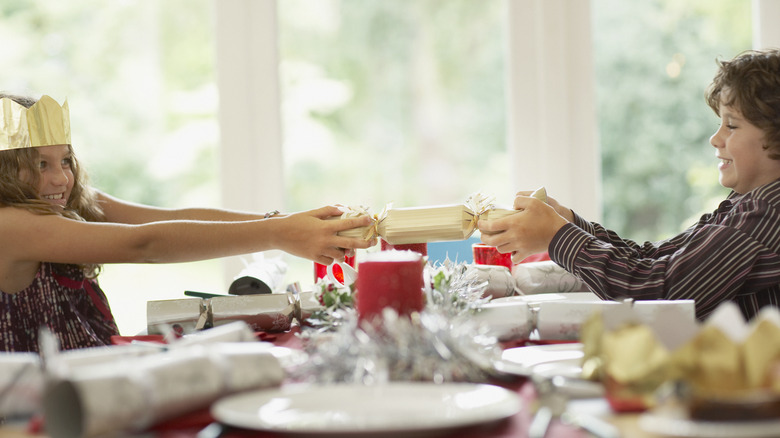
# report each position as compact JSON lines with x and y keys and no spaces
{"x":202,"y":424}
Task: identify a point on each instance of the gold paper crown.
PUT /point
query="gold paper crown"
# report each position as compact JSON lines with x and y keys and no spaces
{"x":46,"y":123}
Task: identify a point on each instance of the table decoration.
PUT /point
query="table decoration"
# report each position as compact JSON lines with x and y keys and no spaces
{"x":136,"y":392}
{"x":267,"y":312}
{"x":185,"y":315}
{"x":263,"y":312}
{"x":488,"y":255}
{"x":441,"y":343}
{"x":545,"y":277}
{"x":727,"y":367}
{"x":500,"y":282}
{"x":260,"y":276}
{"x":21,"y":384}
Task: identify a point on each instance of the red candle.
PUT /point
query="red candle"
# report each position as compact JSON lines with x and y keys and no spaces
{"x":390,"y":279}
{"x":422,"y":248}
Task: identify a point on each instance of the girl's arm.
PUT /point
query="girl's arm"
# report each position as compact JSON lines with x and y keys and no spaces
{"x":26,"y":236}
{"x":120,"y":211}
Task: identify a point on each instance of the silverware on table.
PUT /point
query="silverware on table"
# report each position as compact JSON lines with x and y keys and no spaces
{"x":554,"y":394}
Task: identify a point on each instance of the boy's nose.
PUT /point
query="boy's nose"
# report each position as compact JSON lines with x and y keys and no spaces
{"x":715,"y":141}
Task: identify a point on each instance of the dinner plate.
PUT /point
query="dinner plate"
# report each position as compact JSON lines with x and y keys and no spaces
{"x":522,"y":361}
{"x":670,"y":425}
{"x":398,"y":407}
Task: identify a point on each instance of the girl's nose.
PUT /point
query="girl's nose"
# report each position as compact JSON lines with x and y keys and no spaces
{"x":61,"y":177}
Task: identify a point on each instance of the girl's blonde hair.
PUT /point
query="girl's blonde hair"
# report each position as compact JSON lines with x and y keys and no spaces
{"x":19,"y":192}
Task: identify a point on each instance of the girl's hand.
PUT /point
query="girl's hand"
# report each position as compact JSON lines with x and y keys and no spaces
{"x":310,"y":235}
{"x":527,"y":232}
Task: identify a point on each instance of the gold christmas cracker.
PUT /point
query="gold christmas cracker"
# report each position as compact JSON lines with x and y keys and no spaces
{"x":399,"y":226}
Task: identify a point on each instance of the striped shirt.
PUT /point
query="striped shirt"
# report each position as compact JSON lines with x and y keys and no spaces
{"x":730,"y":254}
{"x":60,"y":298}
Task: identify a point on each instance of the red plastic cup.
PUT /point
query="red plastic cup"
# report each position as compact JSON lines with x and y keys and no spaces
{"x":421,"y":248}
{"x":390,"y":279}
{"x":321,"y":271}
{"x":489,"y":255}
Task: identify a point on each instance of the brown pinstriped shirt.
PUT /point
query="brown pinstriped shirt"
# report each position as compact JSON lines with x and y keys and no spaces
{"x":730,"y":254}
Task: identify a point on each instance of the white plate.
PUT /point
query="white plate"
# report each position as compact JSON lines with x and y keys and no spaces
{"x":522,"y":360}
{"x":360,"y":409}
{"x":571,"y":368}
{"x":666,"y":424}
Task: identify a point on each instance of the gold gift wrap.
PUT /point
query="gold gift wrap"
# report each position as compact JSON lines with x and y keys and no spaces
{"x":398,"y":226}
{"x":724,"y":359}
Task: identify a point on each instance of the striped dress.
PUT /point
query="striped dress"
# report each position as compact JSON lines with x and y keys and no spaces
{"x":73,"y":307}
{"x":730,"y":254}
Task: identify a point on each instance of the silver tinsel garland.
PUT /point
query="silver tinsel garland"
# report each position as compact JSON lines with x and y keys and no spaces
{"x":439,"y":344}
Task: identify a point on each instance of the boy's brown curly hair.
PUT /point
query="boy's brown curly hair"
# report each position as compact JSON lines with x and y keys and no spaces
{"x":750,"y":83}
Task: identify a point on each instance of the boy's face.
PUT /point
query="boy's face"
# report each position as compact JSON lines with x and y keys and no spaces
{"x":56,"y":175}
{"x":745,"y":164}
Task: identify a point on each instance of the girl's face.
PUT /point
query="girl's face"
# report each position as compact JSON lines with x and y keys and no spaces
{"x":56,"y":174}
{"x":745,"y":164}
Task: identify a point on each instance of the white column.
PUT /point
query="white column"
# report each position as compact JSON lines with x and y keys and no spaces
{"x":766,"y":31}
{"x":249,"y":111}
{"x":551,"y":115}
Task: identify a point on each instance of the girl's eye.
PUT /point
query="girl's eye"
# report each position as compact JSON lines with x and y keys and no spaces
{"x":41,"y":165}
{"x":67,"y":162}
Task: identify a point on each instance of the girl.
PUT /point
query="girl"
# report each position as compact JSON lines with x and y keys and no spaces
{"x":56,"y":231}
{"x":731,"y":254}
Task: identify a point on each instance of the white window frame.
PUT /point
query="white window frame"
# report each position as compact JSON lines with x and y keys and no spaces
{"x":552,"y":129}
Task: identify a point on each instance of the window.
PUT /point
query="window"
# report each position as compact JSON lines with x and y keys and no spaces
{"x":398,"y":102}
{"x":654,"y":60}
{"x":143,"y":104}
